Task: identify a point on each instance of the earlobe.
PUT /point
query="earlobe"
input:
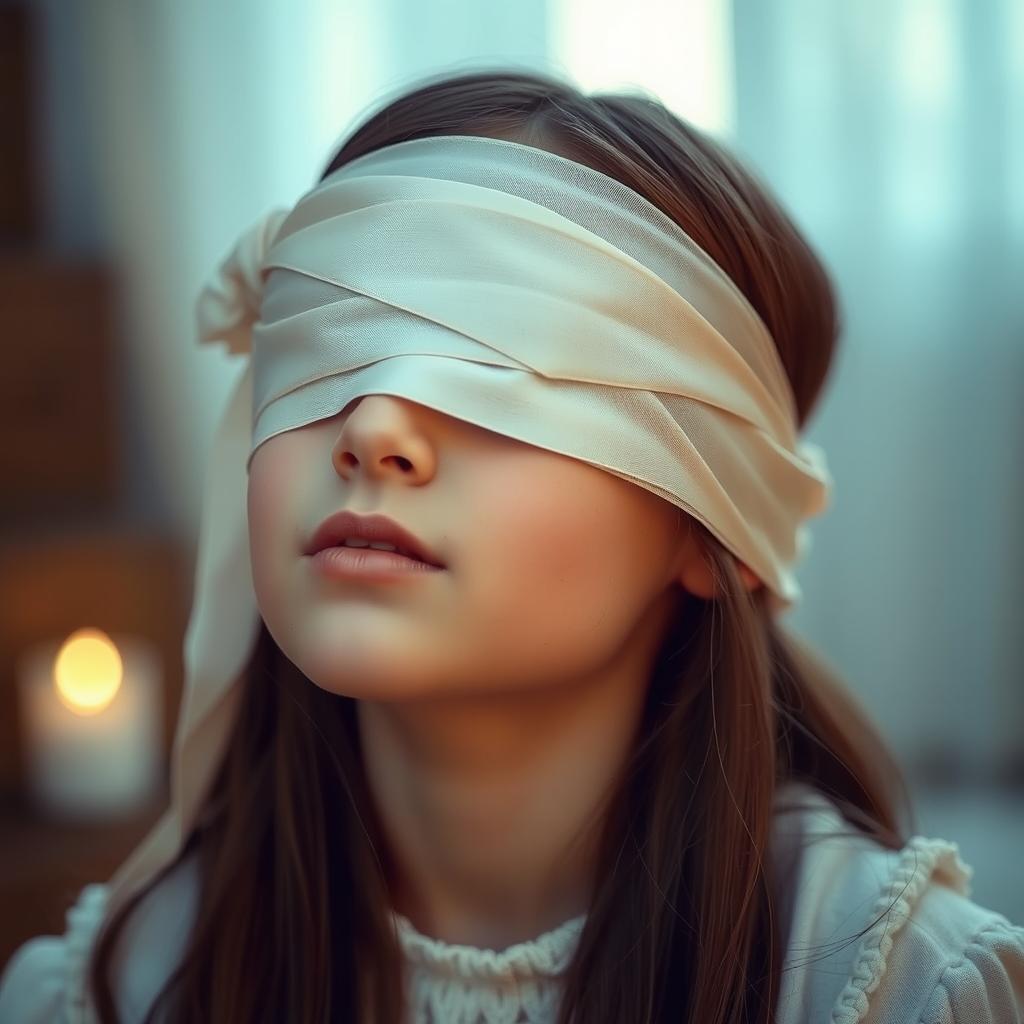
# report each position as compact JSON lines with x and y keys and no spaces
{"x":752,"y":582}
{"x":697,"y":577}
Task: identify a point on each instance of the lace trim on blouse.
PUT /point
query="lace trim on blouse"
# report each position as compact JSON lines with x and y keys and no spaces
{"x":456,"y":984}
{"x":82,"y":923}
{"x":918,"y":861}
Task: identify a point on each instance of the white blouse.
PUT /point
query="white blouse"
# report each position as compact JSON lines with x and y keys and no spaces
{"x":929,"y":955}
{"x":466,"y":985}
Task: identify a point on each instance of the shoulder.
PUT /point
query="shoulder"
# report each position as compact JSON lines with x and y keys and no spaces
{"x":45,"y":980}
{"x":961,"y":962}
{"x":32,"y":987}
{"x":879,"y":936}
{"x":39,"y":980}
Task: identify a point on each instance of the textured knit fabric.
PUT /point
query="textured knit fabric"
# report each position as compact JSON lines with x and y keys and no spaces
{"x":466,"y":985}
{"x":872,"y":936}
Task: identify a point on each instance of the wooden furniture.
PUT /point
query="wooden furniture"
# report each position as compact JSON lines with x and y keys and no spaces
{"x":70,"y":556}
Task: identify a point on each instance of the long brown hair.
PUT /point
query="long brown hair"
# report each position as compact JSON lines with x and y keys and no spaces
{"x":292,"y":921}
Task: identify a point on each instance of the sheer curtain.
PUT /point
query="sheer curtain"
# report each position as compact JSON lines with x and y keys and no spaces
{"x":203,"y":116}
{"x":895,"y":133}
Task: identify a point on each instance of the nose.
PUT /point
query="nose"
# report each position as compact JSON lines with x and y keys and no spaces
{"x":385,"y":437}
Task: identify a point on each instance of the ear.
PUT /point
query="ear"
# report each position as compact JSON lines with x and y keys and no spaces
{"x":751,"y":581}
{"x":695,"y":574}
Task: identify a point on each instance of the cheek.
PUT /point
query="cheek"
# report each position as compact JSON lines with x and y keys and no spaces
{"x":262,"y":510}
{"x":569,"y":554}
{"x":273,"y":525}
{"x":275,"y":475}
{"x":554,"y":610}
{"x":563,"y":521}
{"x":540,"y":527}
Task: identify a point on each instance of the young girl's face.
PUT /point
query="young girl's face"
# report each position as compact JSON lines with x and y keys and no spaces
{"x":555,"y":570}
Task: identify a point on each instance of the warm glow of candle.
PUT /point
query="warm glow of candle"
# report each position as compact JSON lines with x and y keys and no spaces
{"x":87,"y":671}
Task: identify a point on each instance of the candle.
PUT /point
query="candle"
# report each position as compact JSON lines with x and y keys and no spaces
{"x":91,"y":717}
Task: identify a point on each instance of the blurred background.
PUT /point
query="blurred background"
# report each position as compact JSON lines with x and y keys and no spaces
{"x":140,"y":139}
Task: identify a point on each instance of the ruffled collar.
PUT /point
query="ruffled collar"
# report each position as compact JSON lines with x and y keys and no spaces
{"x":460,"y":984}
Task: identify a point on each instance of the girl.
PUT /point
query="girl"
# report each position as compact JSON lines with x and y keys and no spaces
{"x":555,"y":758}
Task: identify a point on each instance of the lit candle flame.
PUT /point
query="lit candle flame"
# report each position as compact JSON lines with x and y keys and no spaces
{"x":87,"y":671}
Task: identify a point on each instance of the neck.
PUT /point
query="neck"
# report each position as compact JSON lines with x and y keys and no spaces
{"x":491,"y":803}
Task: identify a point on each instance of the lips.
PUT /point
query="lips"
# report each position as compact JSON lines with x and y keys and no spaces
{"x":333,"y":531}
